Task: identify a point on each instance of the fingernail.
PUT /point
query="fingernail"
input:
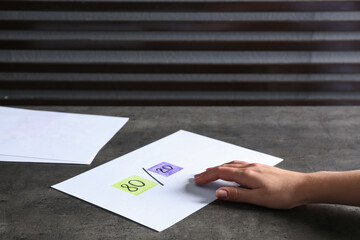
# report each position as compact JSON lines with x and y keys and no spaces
{"x":221,"y":194}
{"x":197,"y":175}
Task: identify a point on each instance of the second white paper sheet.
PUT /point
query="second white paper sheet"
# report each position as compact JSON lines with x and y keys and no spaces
{"x":7,"y":158}
{"x":54,"y":137}
{"x":124,"y":186}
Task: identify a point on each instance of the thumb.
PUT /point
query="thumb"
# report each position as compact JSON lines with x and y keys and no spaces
{"x":234,"y":194}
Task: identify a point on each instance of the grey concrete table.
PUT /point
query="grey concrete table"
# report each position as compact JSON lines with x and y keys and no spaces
{"x":308,"y":138}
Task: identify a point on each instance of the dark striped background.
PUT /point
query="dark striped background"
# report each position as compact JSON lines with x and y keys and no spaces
{"x":179,"y":52}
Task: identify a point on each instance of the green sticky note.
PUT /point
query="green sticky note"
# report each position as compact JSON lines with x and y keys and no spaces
{"x":135,"y":185}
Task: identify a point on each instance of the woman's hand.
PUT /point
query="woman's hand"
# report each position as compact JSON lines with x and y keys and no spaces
{"x":262,"y":185}
{"x":282,"y":189}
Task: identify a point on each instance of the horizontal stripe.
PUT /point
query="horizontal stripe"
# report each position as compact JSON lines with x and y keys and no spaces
{"x":179,"y":6}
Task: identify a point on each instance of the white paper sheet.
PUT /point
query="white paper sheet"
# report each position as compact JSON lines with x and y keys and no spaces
{"x":114,"y":185}
{"x":6,"y":158}
{"x":54,"y":137}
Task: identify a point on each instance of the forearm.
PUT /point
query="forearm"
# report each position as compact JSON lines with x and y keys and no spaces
{"x":331,"y":187}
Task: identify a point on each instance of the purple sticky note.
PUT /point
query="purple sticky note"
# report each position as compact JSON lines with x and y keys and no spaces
{"x":165,"y":169}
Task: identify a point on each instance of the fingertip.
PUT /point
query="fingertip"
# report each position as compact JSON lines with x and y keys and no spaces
{"x":198,"y":175}
{"x":222,"y":194}
{"x":196,"y":178}
{"x":236,"y":194}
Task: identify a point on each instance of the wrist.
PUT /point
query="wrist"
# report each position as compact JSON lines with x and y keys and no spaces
{"x":316,"y":187}
{"x":309,"y":188}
